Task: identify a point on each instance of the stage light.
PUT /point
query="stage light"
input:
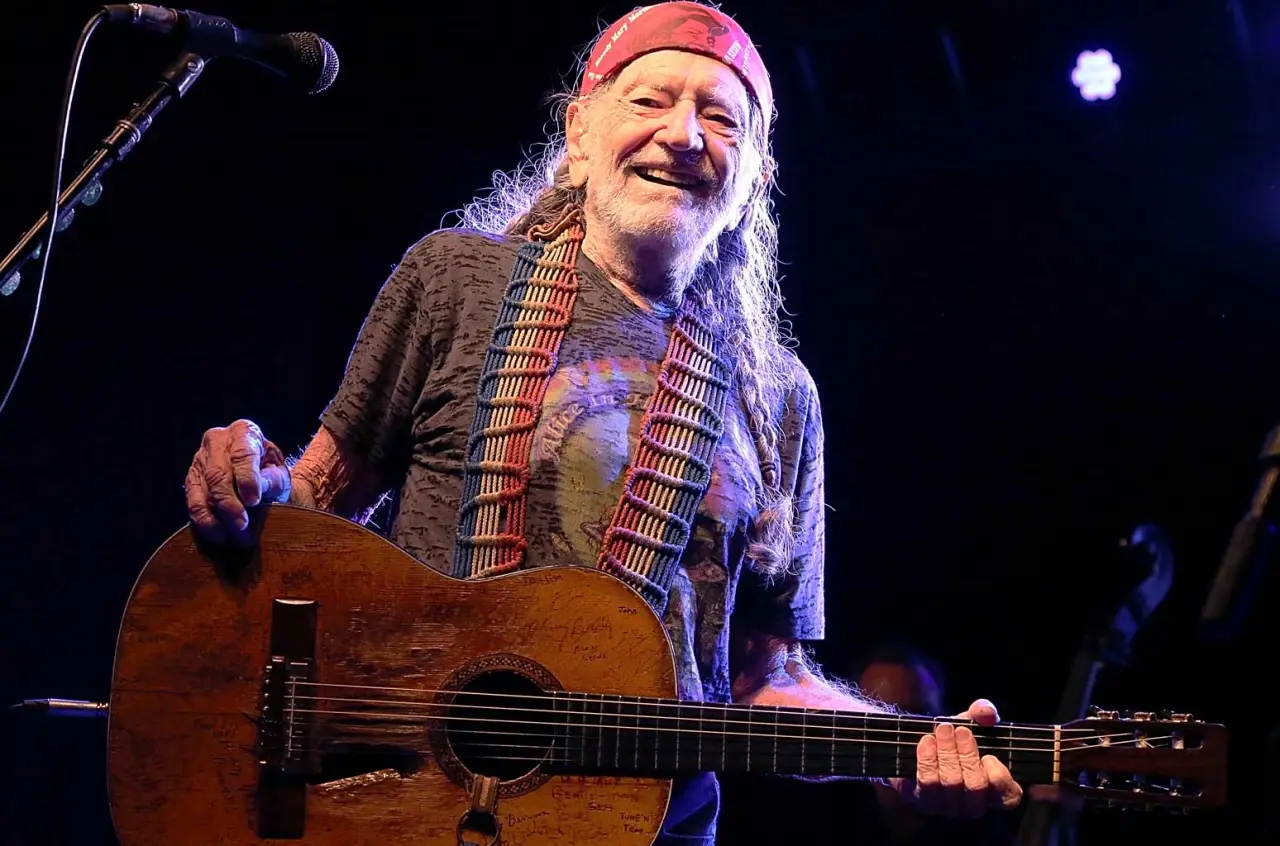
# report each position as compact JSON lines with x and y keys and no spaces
{"x":1095,"y":75}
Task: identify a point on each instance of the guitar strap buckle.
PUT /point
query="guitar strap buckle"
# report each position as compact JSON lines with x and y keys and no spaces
{"x":479,"y":825}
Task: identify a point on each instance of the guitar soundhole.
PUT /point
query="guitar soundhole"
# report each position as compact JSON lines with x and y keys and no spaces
{"x":501,"y":723}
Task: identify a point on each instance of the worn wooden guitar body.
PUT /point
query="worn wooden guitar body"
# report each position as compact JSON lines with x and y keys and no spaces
{"x":184,"y":731}
{"x":325,"y":688}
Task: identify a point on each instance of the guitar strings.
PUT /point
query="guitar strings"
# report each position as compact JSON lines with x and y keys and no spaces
{"x":619,"y":722}
{"x":551,"y":749}
{"x":581,"y":743}
{"x":763,"y":738}
{"x":556,"y":753}
{"x":726,"y":708}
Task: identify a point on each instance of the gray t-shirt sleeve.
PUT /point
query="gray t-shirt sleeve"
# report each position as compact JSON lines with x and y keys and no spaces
{"x":792,"y":606}
{"x":372,"y":410}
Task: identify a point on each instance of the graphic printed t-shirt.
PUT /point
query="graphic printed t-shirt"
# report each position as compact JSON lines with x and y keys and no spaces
{"x":407,"y":400}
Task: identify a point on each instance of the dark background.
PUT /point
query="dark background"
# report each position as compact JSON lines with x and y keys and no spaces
{"x":1035,"y":322}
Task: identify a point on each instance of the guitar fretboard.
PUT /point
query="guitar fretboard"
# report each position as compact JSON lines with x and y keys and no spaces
{"x":637,"y":736}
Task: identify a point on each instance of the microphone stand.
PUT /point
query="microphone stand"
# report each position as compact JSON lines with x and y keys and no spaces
{"x":1241,"y":575}
{"x":86,"y":188}
{"x":1232,"y":594}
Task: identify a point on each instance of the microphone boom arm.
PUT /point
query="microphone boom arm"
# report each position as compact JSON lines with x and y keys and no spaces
{"x":86,"y":188}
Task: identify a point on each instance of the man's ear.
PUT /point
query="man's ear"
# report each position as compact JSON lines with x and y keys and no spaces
{"x":575,"y":129}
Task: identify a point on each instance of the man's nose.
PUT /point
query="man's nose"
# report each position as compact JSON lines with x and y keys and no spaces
{"x":681,"y":131}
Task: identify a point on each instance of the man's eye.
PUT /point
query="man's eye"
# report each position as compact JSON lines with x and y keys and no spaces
{"x":647,"y":102}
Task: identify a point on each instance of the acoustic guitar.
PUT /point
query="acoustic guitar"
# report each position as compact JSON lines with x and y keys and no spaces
{"x":324,"y":687}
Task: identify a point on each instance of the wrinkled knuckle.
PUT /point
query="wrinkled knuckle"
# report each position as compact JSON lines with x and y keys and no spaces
{"x":244,"y":427}
{"x":212,"y":437}
{"x":246,"y":450}
{"x":201,"y":516}
{"x":243,"y":452}
{"x":250,"y":485}
{"x":216,"y":478}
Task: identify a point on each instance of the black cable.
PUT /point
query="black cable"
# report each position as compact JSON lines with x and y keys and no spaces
{"x":60,"y":150}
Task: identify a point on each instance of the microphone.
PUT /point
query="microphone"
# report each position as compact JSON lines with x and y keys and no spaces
{"x":303,"y":58}
{"x":1244,"y":562}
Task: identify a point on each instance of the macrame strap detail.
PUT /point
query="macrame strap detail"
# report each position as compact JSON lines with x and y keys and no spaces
{"x":527,"y":333}
{"x":671,"y":466}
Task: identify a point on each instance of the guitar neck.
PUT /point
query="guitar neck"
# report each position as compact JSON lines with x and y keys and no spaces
{"x":637,"y":736}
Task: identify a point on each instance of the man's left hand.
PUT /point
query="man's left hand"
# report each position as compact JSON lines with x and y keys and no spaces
{"x":952,"y":778}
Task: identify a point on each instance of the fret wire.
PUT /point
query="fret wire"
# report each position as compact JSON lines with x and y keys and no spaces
{"x":657,"y":742}
{"x":676,"y":758}
{"x":555,"y":732}
{"x":776,"y":715}
{"x":583,"y":749}
{"x":635,"y":747}
{"x":617,"y":731}
{"x":724,"y":738}
{"x":804,"y":742}
{"x":1009,"y":738}
{"x":897,"y":747}
{"x":585,"y":728}
{"x":599,"y":730}
{"x":588,"y":700}
{"x":865,"y":745}
{"x":699,"y":739}
{"x":833,"y":744}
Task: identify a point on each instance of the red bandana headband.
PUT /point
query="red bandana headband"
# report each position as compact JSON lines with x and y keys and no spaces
{"x":679,"y":26}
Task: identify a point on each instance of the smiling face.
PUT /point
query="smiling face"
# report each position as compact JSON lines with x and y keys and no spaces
{"x":665,"y":152}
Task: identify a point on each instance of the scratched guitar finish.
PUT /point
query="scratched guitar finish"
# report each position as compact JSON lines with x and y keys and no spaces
{"x":324,"y":687}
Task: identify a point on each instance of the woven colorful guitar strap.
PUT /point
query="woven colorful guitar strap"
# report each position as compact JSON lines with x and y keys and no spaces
{"x":671,"y":465}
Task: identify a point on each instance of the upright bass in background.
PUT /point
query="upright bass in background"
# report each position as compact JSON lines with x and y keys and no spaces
{"x":1146,"y":575}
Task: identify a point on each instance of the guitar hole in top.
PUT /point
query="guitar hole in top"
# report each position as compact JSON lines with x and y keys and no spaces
{"x":501,"y":723}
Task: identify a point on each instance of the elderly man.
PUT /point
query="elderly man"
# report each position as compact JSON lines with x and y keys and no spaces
{"x":589,"y":371}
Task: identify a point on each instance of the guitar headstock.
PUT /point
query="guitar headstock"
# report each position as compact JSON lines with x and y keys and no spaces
{"x":1145,"y":759}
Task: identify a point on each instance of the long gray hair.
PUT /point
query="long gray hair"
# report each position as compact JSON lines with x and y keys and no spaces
{"x":735,"y":288}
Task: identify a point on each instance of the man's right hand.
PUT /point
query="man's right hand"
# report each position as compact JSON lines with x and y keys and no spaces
{"x":235,"y":469}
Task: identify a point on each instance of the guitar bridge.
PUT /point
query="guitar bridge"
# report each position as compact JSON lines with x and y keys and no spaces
{"x":285,"y":734}
{"x":286,"y":743}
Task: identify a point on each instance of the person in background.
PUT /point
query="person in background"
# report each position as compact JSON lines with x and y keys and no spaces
{"x":902,"y":675}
